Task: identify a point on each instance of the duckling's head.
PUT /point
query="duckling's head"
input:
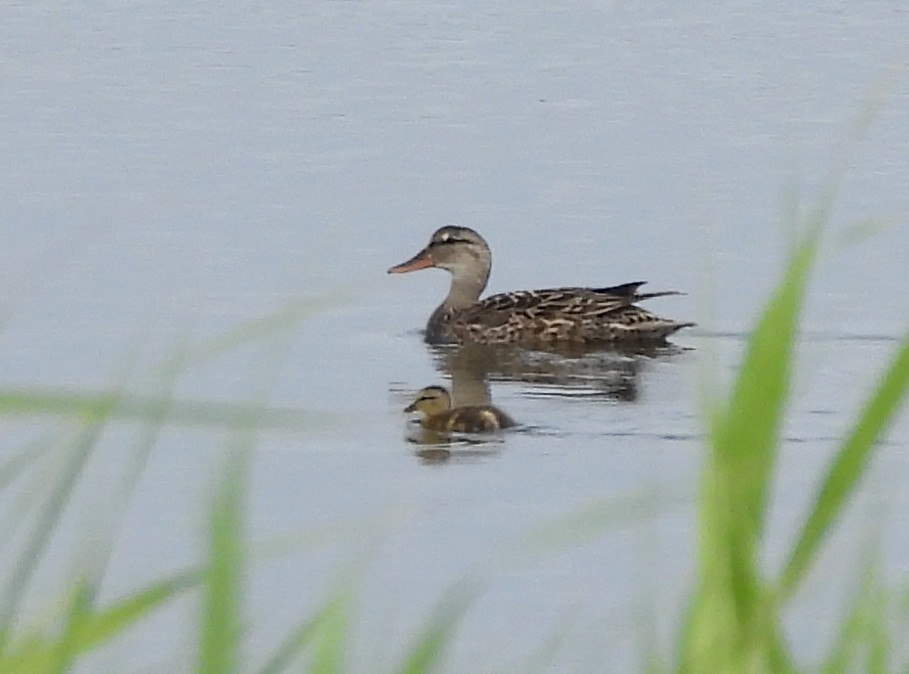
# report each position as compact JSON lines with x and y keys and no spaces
{"x":459,"y":250}
{"x":430,"y":401}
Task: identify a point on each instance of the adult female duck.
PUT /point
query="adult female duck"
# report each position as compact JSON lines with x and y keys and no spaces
{"x":528,"y":317}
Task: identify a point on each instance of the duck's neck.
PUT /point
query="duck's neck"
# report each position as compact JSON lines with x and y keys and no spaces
{"x":465,"y":289}
{"x":466,"y":286}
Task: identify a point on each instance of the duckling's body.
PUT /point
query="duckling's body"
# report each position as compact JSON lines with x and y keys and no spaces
{"x":438,"y":415}
{"x":528,"y":317}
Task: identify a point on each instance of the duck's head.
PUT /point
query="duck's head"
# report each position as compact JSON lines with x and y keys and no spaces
{"x":460,"y":250}
{"x":430,"y":401}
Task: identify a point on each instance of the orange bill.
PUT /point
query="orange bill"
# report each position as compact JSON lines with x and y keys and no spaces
{"x":421,"y":260}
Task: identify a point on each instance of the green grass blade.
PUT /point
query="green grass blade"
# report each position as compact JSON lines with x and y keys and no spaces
{"x":26,"y":465}
{"x":746,"y":434}
{"x":846,"y":648}
{"x":331,"y":639}
{"x":222,"y":629}
{"x":49,"y":515}
{"x":16,"y":464}
{"x":111,"y":621}
{"x":219,"y":647}
{"x":879,"y":642}
{"x":327,"y":631}
{"x":543,"y":658}
{"x":426,"y":654}
{"x":295,"y":642}
{"x":79,"y":612}
{"x":733,"y":618}
{"x":81,"y":616}
{"x":261,"y":328}
{"x":733,"y":623}
{"x":849,"y":466}
{"x":86,"y":405}
{"x":589,"y":522}
{"x":37,"y":654}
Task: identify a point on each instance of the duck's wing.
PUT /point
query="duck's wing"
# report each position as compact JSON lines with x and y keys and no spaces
{"x":575,"y":314}
{"x":632,"y":323}
{"x":578,"y":302}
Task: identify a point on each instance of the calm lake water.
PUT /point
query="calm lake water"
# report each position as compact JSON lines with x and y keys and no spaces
{"x":175,"y":169}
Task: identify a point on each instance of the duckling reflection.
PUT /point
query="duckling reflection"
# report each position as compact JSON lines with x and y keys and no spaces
{"x":434,"y":402}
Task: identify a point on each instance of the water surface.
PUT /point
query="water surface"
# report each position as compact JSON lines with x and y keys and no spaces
{"x":176,"y":169}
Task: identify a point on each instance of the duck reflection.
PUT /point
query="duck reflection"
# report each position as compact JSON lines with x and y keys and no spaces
{"x":445,"y":451}
{"x":461,"y":424}
{"x":572,"y":370}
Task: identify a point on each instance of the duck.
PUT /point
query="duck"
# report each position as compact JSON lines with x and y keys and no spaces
{"x":529,"y":317}
{"x":434,"y":402}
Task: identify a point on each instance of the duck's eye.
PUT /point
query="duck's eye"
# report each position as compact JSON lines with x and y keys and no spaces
{"x":448,"y":239}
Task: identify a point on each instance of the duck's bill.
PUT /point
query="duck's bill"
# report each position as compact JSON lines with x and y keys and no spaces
{"x":421,"y":260}
{"x":411,"y":408}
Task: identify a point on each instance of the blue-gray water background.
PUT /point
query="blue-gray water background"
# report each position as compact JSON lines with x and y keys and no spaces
{"x":179,"y":168}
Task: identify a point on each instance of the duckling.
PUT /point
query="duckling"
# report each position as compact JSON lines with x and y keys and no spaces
{"x":435,"y":404}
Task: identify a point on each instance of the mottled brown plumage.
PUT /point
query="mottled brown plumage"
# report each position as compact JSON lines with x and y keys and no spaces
{"x":529,"y":317}
{"x":434,"y":402}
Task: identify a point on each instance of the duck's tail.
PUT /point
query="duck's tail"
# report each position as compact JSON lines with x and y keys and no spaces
{"x":630,"y":291}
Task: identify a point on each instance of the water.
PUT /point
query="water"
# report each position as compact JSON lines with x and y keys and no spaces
{"x":173,"y":169}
